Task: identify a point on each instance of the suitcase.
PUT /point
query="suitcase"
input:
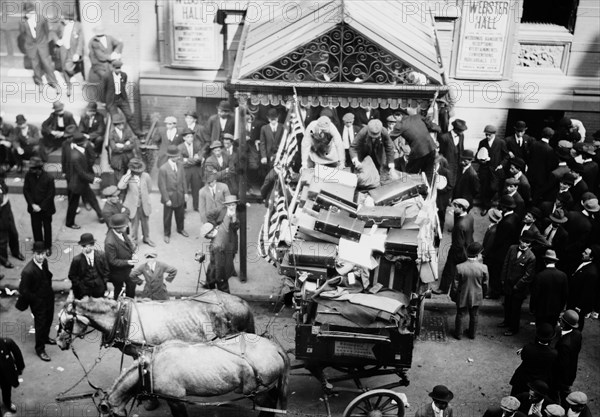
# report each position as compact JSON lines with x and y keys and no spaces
{"x":339,"y":225}
{"x":402,"y":242}
{"x":311,"y":273}
{"x":342,"y":191}
{"x":382,"y":216}
{"x":310,"y":253}
{"x":306,"y":226}
{"x":408,"y":186}
{"x":326,"y":200}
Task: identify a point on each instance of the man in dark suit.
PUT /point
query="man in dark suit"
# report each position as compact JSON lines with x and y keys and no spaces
{"x":71,"y":43}
{"x":374,"y":141}
{"x":551,"y":187}
{"x":511,"y":186}
{"x":155,"y":274}
{"x":123,"y":144}
{"x":568,"y":347}
{"x":517,"y":274}
{"x":166,"y":136}
{"x":519,"y":143}
{"x":217,"y":217}
{"x":222,"y":122}
{"x":218,"y":163}
{"x":549,"y":291}
{"x":556,"y":235}
{"x":80,"y":178}
{"x":583,"y":284}
{"x":516,"y":170}
{"x":93,"y":126}
{"x":363,"y":116}
{"x":579,"y":187}
{"x":270,"y":137}
{"x":114,"y":91}
{"x":36,"y":291}
{"x":509,"y":407}
{"x":349,"y":132}
{"x":89,"y":271}
{"x":232,"y":153}
{"x":467,"y":182}
{"x":462,"y":237}
{"x":191,"y":122}
{"x":590,"y":171}
{"x":537,"y":360}
{"x":33,"y":41}
{"x":191,"y":153}
{"x":11,"y":366}
{"x":9,"y":235}
{"x":452,"y":146}
{"x":542,"y":160}
{"x":119,"y":251}
{"x":53,"y":129}
{"x":536,"y":399}
{"x":579,"y":227}
{"x":65,"y":156}
{"x":172,"y":186}
{"x":440,"y":406}
{"x":422,"y":146}
{"x":103,"y":49}
{"x":7,"y":160}
{"x":25,"y":141}
{"x":39,"y":192}
{"x":491,"y":155}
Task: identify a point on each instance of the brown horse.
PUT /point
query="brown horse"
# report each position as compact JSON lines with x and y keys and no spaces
{"x":212,"y":314}
{"x":245,"y":364}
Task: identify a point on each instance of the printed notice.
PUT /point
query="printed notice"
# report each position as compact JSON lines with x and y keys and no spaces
{"x":354,"y":350}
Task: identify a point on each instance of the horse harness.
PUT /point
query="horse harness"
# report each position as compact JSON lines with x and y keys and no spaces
{"x":200,"y":298}
{"x":122,"y":326}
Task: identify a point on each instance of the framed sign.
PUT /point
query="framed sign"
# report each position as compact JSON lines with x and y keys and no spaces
{"x":485,"y":39}
{"x":196,"y":39}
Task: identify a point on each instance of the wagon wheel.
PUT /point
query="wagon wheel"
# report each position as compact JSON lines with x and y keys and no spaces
{"x":376,"y":403}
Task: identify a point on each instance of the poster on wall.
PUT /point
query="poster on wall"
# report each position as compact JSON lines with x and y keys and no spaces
{"x":196,"y":39}
{"x":484,"y":38}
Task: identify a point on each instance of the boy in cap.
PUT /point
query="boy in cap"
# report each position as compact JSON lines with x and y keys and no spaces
{"x":491,"y":155}
{"x":113,"y":203}
{"x":222,"y":122}
{"x":576,"y":405}
{"x":35,"y":291}
{"x":93,"y":126}
{"x":509,"y":407}
{"x":568,"y":347}
{"x":469,"y":286}
{"x":167,"y":135}
{"x":440,"y":405}
{"x":270,"y":137}
{"x":549,"y":291}
{"x":172,"y":186}
{"x":39,"y":192}
{"x":191,"y":154}
{"x":89,"y":270}
{"x":114,"y":90}
{"x":155,"y":274}
{"x":138,"y":186}
{"x":9,"y":236}
{"x":53,"y":129}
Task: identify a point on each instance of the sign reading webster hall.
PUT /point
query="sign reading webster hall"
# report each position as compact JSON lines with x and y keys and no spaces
{"x":196,"y":41}
{"x":484,"y":38}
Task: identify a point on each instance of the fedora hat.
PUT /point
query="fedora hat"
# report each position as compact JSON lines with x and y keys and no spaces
{"x":111,"y":191}
{"x":192,"y":113}
{"x":136,"y":165}
{"x":28,"y":7}
{"x":520,"y":126}
{"x":571,"y":318}
{"x":224,"y":105}
{"x":230,"y":199}
{"x":118,"y":220}
{"x":216,"y":144}
{"x":87,"y":239}
{"x":172,"y":151}
{"x":536,"y":212}
{"x":70,"y":131}
{"x":558,"y":216}
{"x":460,"y":124}
{"x":506,"y":201}
{"x":495,"y":215}
{"x":187,"y":131}
{"x":92,"y":105}
{"x":550,"y":255}
{"x":518,"y":162}
{"x":206,"y":228}
{"x":36,"y":162}
{"x":539,"y":387}
{"x":117,"y":118}
{"x":441,"y":393}
{"x":58,"y":106}
{"x":544,"y":332}
{"x":474,"y":249}
{"x":39,"y":247}
{"x":591,"y":205}
{"x":467,"y":154}
{"x":20,"y":119}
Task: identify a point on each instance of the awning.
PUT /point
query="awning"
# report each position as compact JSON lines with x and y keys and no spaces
{"x":339,"y":53}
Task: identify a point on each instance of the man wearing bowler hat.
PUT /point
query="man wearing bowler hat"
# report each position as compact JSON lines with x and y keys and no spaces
{"x":491,"y":155}
{"x":583,"y":284}
{"x":119,"y":250}
{"x":440,"y":406}
{"x":549,"y":292}
{"x":452,"y":146}
{"x":53,"y":129}
{"x":519,"y":143}
{"x":191,"y":155}
{"x":39,"y":192}
{"x":568,"y":347}
{"x":535,"y":400}
{"x":509,"y":407}
{"x":89,"y":271}
{"x":93,"y":126}
{"x":172,"y":186}
{"x":35,"y":291}
{"x":222,"y":122}
{"x":137,"y":185}
{"x":469,"y":288}
{"x":517,"y":273}
{"x":467,"y":182}
{"x":167,"y":135}
{"x":537,"y":360}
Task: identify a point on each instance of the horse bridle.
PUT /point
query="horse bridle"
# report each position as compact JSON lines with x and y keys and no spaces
{"x":71,"y":311}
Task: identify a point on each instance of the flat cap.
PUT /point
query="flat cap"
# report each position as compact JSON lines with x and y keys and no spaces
{"x":554,"y":410}
{"x":348,"y":117}
{"x":577,"y":398}
{"x":511,"y":181}
{"x":490,"y":129}
{"x":375,"y":126}
{"x":171,"y":119}
{"x":110,"y":191}
{"x":510,"y":404}
{"x":461,"y":202}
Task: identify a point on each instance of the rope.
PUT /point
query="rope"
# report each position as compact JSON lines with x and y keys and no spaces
{"x":85,"y":372}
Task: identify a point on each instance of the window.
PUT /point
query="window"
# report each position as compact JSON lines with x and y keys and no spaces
{"x":554,"y":12}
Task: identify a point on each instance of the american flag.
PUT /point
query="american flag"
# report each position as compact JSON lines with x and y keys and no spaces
{"x":276,"y":217}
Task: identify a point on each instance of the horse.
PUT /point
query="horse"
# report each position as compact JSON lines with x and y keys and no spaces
{"x":246,"y":364}
{"x":132,"y":326}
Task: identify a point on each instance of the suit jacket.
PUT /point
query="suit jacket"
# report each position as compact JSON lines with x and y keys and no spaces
{"x":208,"y":203}
{"x":11,"y":362}
{"x":523,"y":151}
{"x":524,"y":189}
{"x":96,"y":129}
{"x":462,"y":236}
{"x":108,"y":92}
{"x":414,"y":130}
{"x":488,"y":239}
{"x":86,"y":279}
{"x":550,"y":189}
{"x":172,"y":185}
{"x":213,"y":127}
{"x":31,"y":46}
{"x":100,"y":56}
{"x":517,"y":272}
{"x":212,"y":166}
{"x":30,"y":140}
{"x":498,"y":153}
{"x":526,"y":403}
{"x":542,"y":160}
{"x":39,"y":190}
{"x":499,"y":412}
{"x":76,"y":44}
{"x":583,"y":287}
{"x":364,"y":145}
{"x":577,"y":191}
{"x":155,"y":287}
{"x":35,"y":287}
{"x":452,"y":154}
{"x":361,"y":117}
{"x":590,"y":174}
{"x":137,"y":188}
{"x":537,"y":362}
{"x":549,"y":292}
{"x":201,"y":136}
{"x":111,"y":209}
{"x":191,"y":164}
{"x":565,"y":367}
{"x":118,"y":251}
{"x":90,"y":157}
{"x":51,"y":123}
{"x":579,"y":227}
{"x":269,"y":141}
{"x":78,"y":174}
{"x":467,"y":185}
{"x":507,"y":233}
{"x":120,"y":156}
{"x":470,"y":283}
{"x":162,"y":141}
{"x":427,"y":411}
